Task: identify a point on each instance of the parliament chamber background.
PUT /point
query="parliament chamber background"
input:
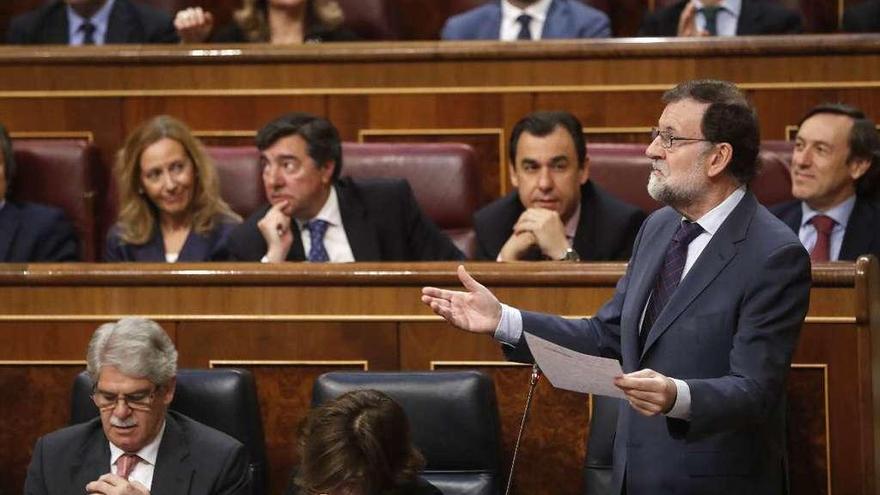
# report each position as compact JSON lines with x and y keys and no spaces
{"x":289,"y":323}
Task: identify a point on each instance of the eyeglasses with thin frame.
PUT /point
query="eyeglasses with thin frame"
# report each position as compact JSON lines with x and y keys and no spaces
{"x":668,"y":140}
{"x":137,"y":401}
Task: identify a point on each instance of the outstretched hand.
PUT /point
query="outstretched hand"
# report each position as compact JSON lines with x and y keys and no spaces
{"x":475,"y":310}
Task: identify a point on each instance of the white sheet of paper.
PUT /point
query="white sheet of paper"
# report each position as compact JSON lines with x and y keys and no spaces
{"x":574,"y":371}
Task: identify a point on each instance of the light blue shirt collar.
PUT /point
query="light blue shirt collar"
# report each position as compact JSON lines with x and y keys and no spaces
{"x":727,"y":18}
{"x":713,"y":219}
{"x":839,"y":213}
{"x":100,"y":20}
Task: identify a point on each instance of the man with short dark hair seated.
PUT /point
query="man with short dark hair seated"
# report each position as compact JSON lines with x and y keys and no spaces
{"x":835,"y":169}
{"x":313,"y":215}
{"x":555,"y":213}
{"x":29,"y":231}
{"x":136,"y":446}
{"x":527,"y":20}
{"x":91,"y":22}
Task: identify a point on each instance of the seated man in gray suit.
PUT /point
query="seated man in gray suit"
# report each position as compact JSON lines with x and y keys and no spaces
{"x":512,"y":20}
{"x":91,"y":22}
{"x":835,"y":168}
{"x":136,"y":446}
{"x":556,"y":212}
{"x":313,"y":215}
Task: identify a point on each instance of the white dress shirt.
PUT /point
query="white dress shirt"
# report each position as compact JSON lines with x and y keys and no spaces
{"x":510,"y":27}
{"x":335,"y":239}
{"x":144,"y":469}
{"x":840,"y":214}
{"x":509,"y":330}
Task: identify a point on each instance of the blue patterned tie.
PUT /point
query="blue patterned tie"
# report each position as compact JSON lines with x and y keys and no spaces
{"x":669,"y":276}
{"x":88,"y":30}
{"x":317,"y":253}
{"x":710,"y":13}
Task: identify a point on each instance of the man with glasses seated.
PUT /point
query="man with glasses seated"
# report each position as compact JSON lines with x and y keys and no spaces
{"x":137,"y":446}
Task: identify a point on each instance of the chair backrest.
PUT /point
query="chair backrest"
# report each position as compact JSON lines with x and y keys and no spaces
{"x":453,"y":417}
{"x":444,"y":178}
{"x":62,"y":173}
{"x":622,"y":169}
{"x":224,"y":399}
{"x":371,"y":19}
{"x":241,"y":180}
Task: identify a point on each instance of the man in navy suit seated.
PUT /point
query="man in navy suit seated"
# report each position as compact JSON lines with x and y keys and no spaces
{"x":28,"y":231}
{"x":314,"y":215}
{"x":91,"y":22}
{"x":834,"y":173}
{"x":704,"y":322}
{"x":512,"y":20}
{"x":721,"y":18}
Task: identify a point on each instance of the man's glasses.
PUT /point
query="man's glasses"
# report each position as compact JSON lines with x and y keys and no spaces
{"x":137,"y":401}
{"x":668,"y":140}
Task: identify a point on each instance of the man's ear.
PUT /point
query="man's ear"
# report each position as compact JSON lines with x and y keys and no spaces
{"x":584,"y":172}
{"x":514,"y":180}
{"x":327,"y":171}
{"x":719,"y":159}
{"x":169,"y":387}
{"x":858,"y":167}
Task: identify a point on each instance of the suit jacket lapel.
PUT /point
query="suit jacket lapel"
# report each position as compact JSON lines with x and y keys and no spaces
{"x":56,"y":29}
{"x":93,"y":460}
{"x":121,"y":24}
{"x":491,"y":29}
{"x":361,"y":235}
{"x":715,"y":256}
{"x":557,"y":23}
{"x":297,"y":251}
{"x":9,"y":220}
{"x":173,"y":472}
{"x":859,"y":229}
{"x":196,"y":248}
{"x":748,"y":20}
{"x":152,"y":250}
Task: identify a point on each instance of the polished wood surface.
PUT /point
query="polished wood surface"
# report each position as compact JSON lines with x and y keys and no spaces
{"x":424,"y":91}
{"x":289,"y":322}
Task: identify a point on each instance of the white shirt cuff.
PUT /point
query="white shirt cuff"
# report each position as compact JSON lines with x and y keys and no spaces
{"x":264,"y":259}
{"x":510,"y":328}
{"x":682,"y":407}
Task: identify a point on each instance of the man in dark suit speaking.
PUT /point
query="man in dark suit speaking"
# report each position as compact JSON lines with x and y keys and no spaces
{"x":705,"y":320}
{"x":313,"y":215}
{"x":91,"y":22}
{"x":136,"y":446}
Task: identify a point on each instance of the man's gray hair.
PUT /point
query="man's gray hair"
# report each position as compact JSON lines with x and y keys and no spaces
{"x":137,"y":347}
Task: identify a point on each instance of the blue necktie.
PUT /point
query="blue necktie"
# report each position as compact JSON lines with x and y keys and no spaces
{"x":317,"y":229}
{"x":88,"y":30}
{"x":524,"y":32}
{"x":710,"y":13}
{"x":669,"y":276}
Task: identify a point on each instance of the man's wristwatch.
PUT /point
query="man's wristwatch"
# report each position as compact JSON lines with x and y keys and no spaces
{"x":570,"y":255}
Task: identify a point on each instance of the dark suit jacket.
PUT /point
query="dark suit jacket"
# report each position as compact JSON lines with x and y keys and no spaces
{"x":565,"y":19}
{"x":197,"y":247}
{"x":862,"y":235}
{"x":130,"y":22}
{"x":755,"y":17}
{"x":862,"y":17}
{"x":382,"y":221}
{"x":728,"y":331}
{"x":606,"y":229}
{"x":32,"y":232}
{"x":193,"y":460}
{"x":232,"y":33}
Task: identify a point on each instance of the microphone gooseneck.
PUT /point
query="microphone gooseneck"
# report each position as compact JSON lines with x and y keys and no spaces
{"x":533,"y":382}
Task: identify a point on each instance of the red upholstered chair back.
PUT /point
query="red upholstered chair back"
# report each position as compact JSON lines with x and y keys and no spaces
{"x":241,"y":180}
{"x":62,"y":173}
{"x":443,"y":176}
{"x":623,"y":169}
{"x":371,"y":19}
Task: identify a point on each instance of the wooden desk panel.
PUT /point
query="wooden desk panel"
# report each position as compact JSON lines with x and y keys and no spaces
{"x":288,"y":323}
